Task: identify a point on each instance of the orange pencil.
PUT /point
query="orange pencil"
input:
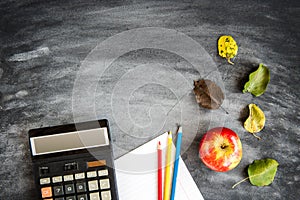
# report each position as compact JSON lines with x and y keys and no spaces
{"x":159,"y":171}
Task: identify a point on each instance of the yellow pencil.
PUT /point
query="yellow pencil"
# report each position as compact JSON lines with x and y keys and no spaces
{"x":167,"y":185}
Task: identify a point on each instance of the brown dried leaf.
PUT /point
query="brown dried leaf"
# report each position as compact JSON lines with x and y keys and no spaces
{"x":208,"y":94}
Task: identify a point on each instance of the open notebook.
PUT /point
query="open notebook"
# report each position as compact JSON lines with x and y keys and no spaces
{"x":136,"y":174}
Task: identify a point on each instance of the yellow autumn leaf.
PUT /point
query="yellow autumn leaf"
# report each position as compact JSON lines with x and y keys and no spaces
{"x":227,"y":47}
{"x":256,"y":120}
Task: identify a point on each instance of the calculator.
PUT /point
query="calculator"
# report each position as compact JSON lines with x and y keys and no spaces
{"x":74,"y":162}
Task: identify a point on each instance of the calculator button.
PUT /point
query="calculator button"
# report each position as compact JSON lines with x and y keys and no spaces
{"x":104,"y":184}
{"x":70,"y":166}
{"x":57,"y":179}
{"x":91,"y":174}
{"x":44,"y":170}
{"x":96,"y":163}
{"x":93,"y":185}
{"x":103,"y":172}
{"x":46,"y":192}
{"x":82,"y":197}
{"x":60,"y":198}
{"x":81,"y":187}
{"x":79,"y":176}
{"x":44,"y":181}
{"x":58,"y":190}
{"x":69,"y":188}
{"x":68,"y":177}
{"x":105,"y":195}
{"x":71,"y":198}
{"x":94,"y":196}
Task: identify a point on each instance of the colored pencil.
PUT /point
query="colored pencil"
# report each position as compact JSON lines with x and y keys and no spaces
{"x":177,"y":154}
{"x":167,"y":185}
{"x":159,"y":171}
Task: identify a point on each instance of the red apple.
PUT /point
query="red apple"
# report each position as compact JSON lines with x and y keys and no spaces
{"x":220,"y":149}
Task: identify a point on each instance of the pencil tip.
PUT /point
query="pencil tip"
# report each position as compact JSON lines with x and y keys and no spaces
{"x":180,"y":129}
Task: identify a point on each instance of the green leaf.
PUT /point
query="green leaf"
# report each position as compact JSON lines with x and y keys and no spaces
{"x":262,"y":172}
{"x":258,"y":81}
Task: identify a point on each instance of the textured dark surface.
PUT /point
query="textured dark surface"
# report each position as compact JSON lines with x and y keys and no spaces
{"x":43,"y":43}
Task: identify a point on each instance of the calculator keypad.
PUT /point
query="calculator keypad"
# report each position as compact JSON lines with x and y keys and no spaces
{"x":70,"y":189}
{"x":106,"y":195}
{"x":68,"y":177}
{"x":80,"y":176}
{"x":58,"y":190}
{"x":44,"y":181}
{"x":103,"y":172}
{"x":91,"y":174}
{"x":104,"y":184}
{"x":57,"y":179}
{"x":94,"y":196}
{"x":82,"y":197}
{"x":93,"y":185}
{"x":46,"y":192}
{"x":81,"y":187}
{"x":90,"y":185}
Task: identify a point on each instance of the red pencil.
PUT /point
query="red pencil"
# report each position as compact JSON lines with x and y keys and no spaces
{"x":159,"y":171}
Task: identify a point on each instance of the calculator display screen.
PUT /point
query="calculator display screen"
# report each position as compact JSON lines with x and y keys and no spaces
{"x":69,"y":141}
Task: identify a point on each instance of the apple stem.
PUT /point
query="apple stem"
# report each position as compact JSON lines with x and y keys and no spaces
{"x":239,"y":182}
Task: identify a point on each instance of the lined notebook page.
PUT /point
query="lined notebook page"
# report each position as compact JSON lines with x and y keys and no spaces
{"x":137,"y":174}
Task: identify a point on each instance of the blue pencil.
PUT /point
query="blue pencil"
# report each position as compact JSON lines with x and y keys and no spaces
{"x":177,"y":154}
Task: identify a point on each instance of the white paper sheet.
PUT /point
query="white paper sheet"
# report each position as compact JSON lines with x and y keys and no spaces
{"x":137,"y":174}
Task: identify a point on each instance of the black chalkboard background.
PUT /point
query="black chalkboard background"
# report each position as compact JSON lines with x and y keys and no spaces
{"x":43,"y":44}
